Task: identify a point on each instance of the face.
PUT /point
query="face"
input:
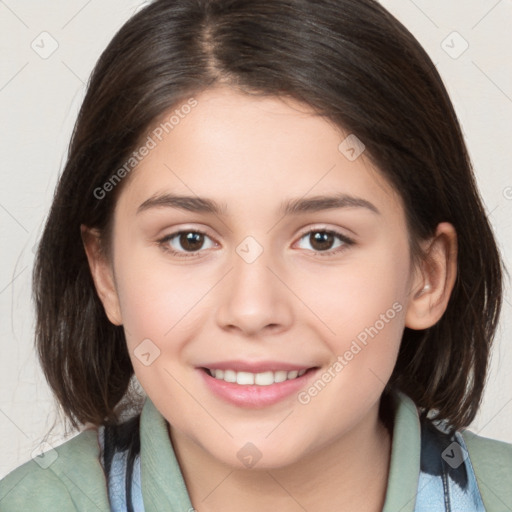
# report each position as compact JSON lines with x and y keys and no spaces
{"x":303,"y":264}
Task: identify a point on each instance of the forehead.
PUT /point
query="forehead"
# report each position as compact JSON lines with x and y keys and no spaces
{"x":250,"y":151}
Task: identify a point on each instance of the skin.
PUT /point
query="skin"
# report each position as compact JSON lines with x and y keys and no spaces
{"x":249,"y":154}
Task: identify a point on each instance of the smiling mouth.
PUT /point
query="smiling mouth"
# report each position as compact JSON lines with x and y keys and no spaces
{"x":266,"y":378}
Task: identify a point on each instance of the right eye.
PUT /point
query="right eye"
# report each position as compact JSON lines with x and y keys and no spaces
{"x":190,"y":240}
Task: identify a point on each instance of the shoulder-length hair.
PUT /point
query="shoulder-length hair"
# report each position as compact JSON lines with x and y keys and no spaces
{"x":354,"y":64}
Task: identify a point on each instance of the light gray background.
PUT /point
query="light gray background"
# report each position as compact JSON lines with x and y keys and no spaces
{"x":39,"y":99}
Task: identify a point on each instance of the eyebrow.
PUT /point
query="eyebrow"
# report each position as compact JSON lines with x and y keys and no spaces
{"x":292,"y":207}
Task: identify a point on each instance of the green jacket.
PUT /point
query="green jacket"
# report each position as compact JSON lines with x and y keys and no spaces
{"x":75,"y":480}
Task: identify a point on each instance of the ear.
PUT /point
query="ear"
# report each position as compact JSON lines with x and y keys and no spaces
{"x":102,"y":273}
{"x":433,"y":282}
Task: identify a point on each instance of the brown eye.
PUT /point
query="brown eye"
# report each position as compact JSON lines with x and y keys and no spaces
{"x":322,"y":241}
{"x":191,"y":240}
{"x":183,"y":242}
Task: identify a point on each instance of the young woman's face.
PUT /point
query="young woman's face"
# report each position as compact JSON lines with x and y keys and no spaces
{"x":293,"y":254}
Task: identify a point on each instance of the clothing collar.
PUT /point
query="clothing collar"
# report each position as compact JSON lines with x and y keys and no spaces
{"x":163,"y":486}
{"x":404,"y":468}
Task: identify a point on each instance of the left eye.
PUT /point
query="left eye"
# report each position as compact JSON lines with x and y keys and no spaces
{"x":322,"y":241}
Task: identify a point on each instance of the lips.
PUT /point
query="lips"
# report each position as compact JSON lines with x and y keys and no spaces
{"x":247,"y":394}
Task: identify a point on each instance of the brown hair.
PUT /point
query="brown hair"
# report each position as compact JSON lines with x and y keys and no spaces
{"x":355,"y":64}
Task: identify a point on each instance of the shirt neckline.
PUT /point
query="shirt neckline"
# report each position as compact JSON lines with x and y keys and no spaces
{"x":163,"y":484}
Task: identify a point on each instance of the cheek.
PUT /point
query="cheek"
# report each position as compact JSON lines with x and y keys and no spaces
{"x":363,"y":304}
{"x":159,"y":306}
{"x":356,"y":293}
{"x":364,"y":308}
{"x":156,"y":299}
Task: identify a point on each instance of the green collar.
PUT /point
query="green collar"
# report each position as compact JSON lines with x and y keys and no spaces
{"x":404,"y":469}
{"x":163,"y":486}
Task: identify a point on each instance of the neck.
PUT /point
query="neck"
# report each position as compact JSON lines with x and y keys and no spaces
{"x":350,"y":473}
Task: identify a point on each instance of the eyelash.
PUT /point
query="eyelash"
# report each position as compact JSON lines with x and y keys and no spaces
{"x":163,"y":242}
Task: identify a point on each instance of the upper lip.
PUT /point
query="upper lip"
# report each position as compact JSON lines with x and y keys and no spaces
{"x":255,"y":366}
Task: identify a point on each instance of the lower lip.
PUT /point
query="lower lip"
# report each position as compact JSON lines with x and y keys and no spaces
{"x":253,"y":396}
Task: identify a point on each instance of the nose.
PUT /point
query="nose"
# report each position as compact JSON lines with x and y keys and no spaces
{"x":255,"y":298}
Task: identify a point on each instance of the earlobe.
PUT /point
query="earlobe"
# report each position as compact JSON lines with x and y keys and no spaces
{"x":102,"y":273}
{"x":434,"y":282}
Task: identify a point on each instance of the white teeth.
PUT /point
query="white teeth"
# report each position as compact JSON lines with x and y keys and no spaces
{"x":244,"y":378}
{"x":229,"y":376}
{"x":280,"y":376}
{"x":263,"y":379}
{"x":260,"y":379}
